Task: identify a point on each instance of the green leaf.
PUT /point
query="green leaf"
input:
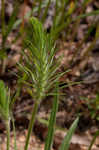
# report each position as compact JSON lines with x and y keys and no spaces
{"x":2,"y":54}
{"x":49,"y":139}
{"x":11,"y":21}
{"x":93,"y":140}
{"x":93,"y":13}
{"x":66,"y":142}
{"x":2,"y":94}
{"x":4,"y":101}
{"x":38,"y":35}
{"x":46,"y":11}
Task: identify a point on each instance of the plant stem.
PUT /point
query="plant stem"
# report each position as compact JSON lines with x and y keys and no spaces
{"x":93,"y":140}
{"x":39,"y":8}
{"x":4,"y":63}
{"x":46,"y":11}
{"x":13,"y":123}
{"x":31,"y":124}
{"x":8,"y":134}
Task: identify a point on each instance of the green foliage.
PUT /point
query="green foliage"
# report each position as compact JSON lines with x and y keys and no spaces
{"x":40,"y":67}
{"x":49,"y":140}
{"x":66,"y":142}
{"x":46,"y":11}
{"x":52,"y":120}
{"x":62,"y":17}
{"x":5,"y":106}
{"x":6,"y":30}
{"x":5,"y":112}
{"x":4,"y":102}
{"x":93,"y":140}
{"x":40,"y":64}
{"x":93,"y":106}
{"x":11,"y":23}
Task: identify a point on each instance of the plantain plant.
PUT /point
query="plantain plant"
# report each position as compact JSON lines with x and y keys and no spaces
{"x":40,"y":73}
{"x":40,"y":70}
{"x":39,"y":66}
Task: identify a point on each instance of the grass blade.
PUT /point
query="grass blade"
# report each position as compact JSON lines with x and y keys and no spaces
{"x":11,"y":22}
{"x":46,"y":11}
{"x":49,"y":139}
{"x":93,"y":140}
{"x":66,"y":142}
{"x":93,"y":13}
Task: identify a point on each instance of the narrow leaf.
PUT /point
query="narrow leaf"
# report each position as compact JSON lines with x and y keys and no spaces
{"x":11,"y":21}
{"x":93,"y":140}
{"x":66,"y":142}
{"x":49,"y":139}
